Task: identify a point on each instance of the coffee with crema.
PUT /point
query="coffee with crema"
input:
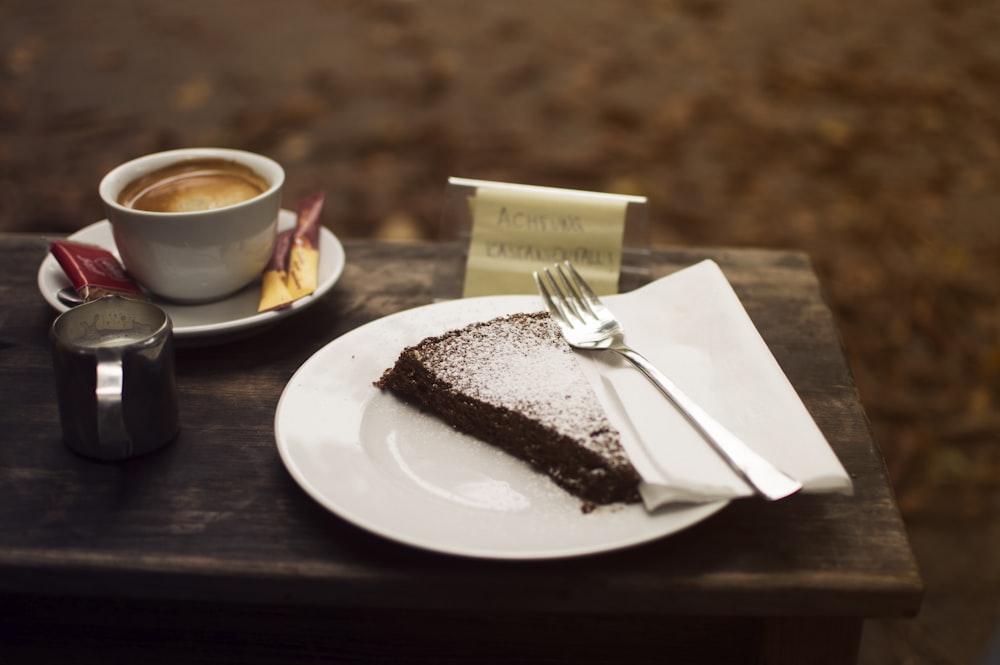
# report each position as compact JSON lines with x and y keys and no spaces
{"x":198,"y":184}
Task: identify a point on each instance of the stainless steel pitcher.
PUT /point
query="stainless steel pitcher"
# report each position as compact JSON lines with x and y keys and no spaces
{"x":114,"y":370}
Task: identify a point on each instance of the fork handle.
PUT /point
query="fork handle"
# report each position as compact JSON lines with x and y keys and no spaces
{"x":768,"y":480}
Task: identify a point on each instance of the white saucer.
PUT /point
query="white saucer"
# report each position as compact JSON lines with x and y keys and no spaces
{"x":211,"y":323}
{"x":396,"y":471}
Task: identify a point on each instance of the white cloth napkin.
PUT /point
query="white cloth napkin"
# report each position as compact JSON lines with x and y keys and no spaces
{"x":693,"y":327}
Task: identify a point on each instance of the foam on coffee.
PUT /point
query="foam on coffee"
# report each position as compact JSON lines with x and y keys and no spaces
{"x":199,"y":184}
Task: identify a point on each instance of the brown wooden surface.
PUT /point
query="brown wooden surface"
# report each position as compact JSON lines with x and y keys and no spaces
{"x":214,"y":529}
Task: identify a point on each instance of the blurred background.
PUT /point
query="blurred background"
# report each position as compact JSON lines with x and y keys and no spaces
{"x":864,"y":134}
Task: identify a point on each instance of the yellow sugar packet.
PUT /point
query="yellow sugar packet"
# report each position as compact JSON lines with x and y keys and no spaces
{"x":273,"y":290}
{"x":303,"y":263}
{"x":293,"y":271}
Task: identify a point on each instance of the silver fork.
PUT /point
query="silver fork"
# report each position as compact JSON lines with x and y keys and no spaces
{"x":587,"y":324}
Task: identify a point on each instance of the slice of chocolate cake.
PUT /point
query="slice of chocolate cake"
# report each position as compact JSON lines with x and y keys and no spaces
{"x":514,"y":383}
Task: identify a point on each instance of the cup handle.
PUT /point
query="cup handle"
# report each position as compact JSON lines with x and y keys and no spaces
{"x":111,"y":432}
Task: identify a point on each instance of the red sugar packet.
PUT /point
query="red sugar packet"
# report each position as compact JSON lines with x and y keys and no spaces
{"x":94,"y":271}
{"x":293,"y":271}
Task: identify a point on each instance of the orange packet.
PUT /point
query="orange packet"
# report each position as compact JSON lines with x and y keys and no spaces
{"x":273,"y":291}
{"x":303,"y":262}
{"x":293,"y":271}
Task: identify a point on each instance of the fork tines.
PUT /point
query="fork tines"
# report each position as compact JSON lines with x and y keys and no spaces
{"x":569,"y":297}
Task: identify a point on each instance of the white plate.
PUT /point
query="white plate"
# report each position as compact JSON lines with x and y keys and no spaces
{"x":211,"y":323}
{"x":397,"y":472}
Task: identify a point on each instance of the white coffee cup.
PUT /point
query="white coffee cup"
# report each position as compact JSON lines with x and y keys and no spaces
{"x":201,"y":255}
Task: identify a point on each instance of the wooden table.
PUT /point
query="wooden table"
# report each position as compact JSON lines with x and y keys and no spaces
{"x":207,"y":550}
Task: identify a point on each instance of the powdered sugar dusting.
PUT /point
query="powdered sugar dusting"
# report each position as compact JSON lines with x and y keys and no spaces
{"x":522,"y":363}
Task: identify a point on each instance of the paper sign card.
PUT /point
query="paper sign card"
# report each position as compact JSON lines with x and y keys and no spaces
{"x":518,"y":229}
